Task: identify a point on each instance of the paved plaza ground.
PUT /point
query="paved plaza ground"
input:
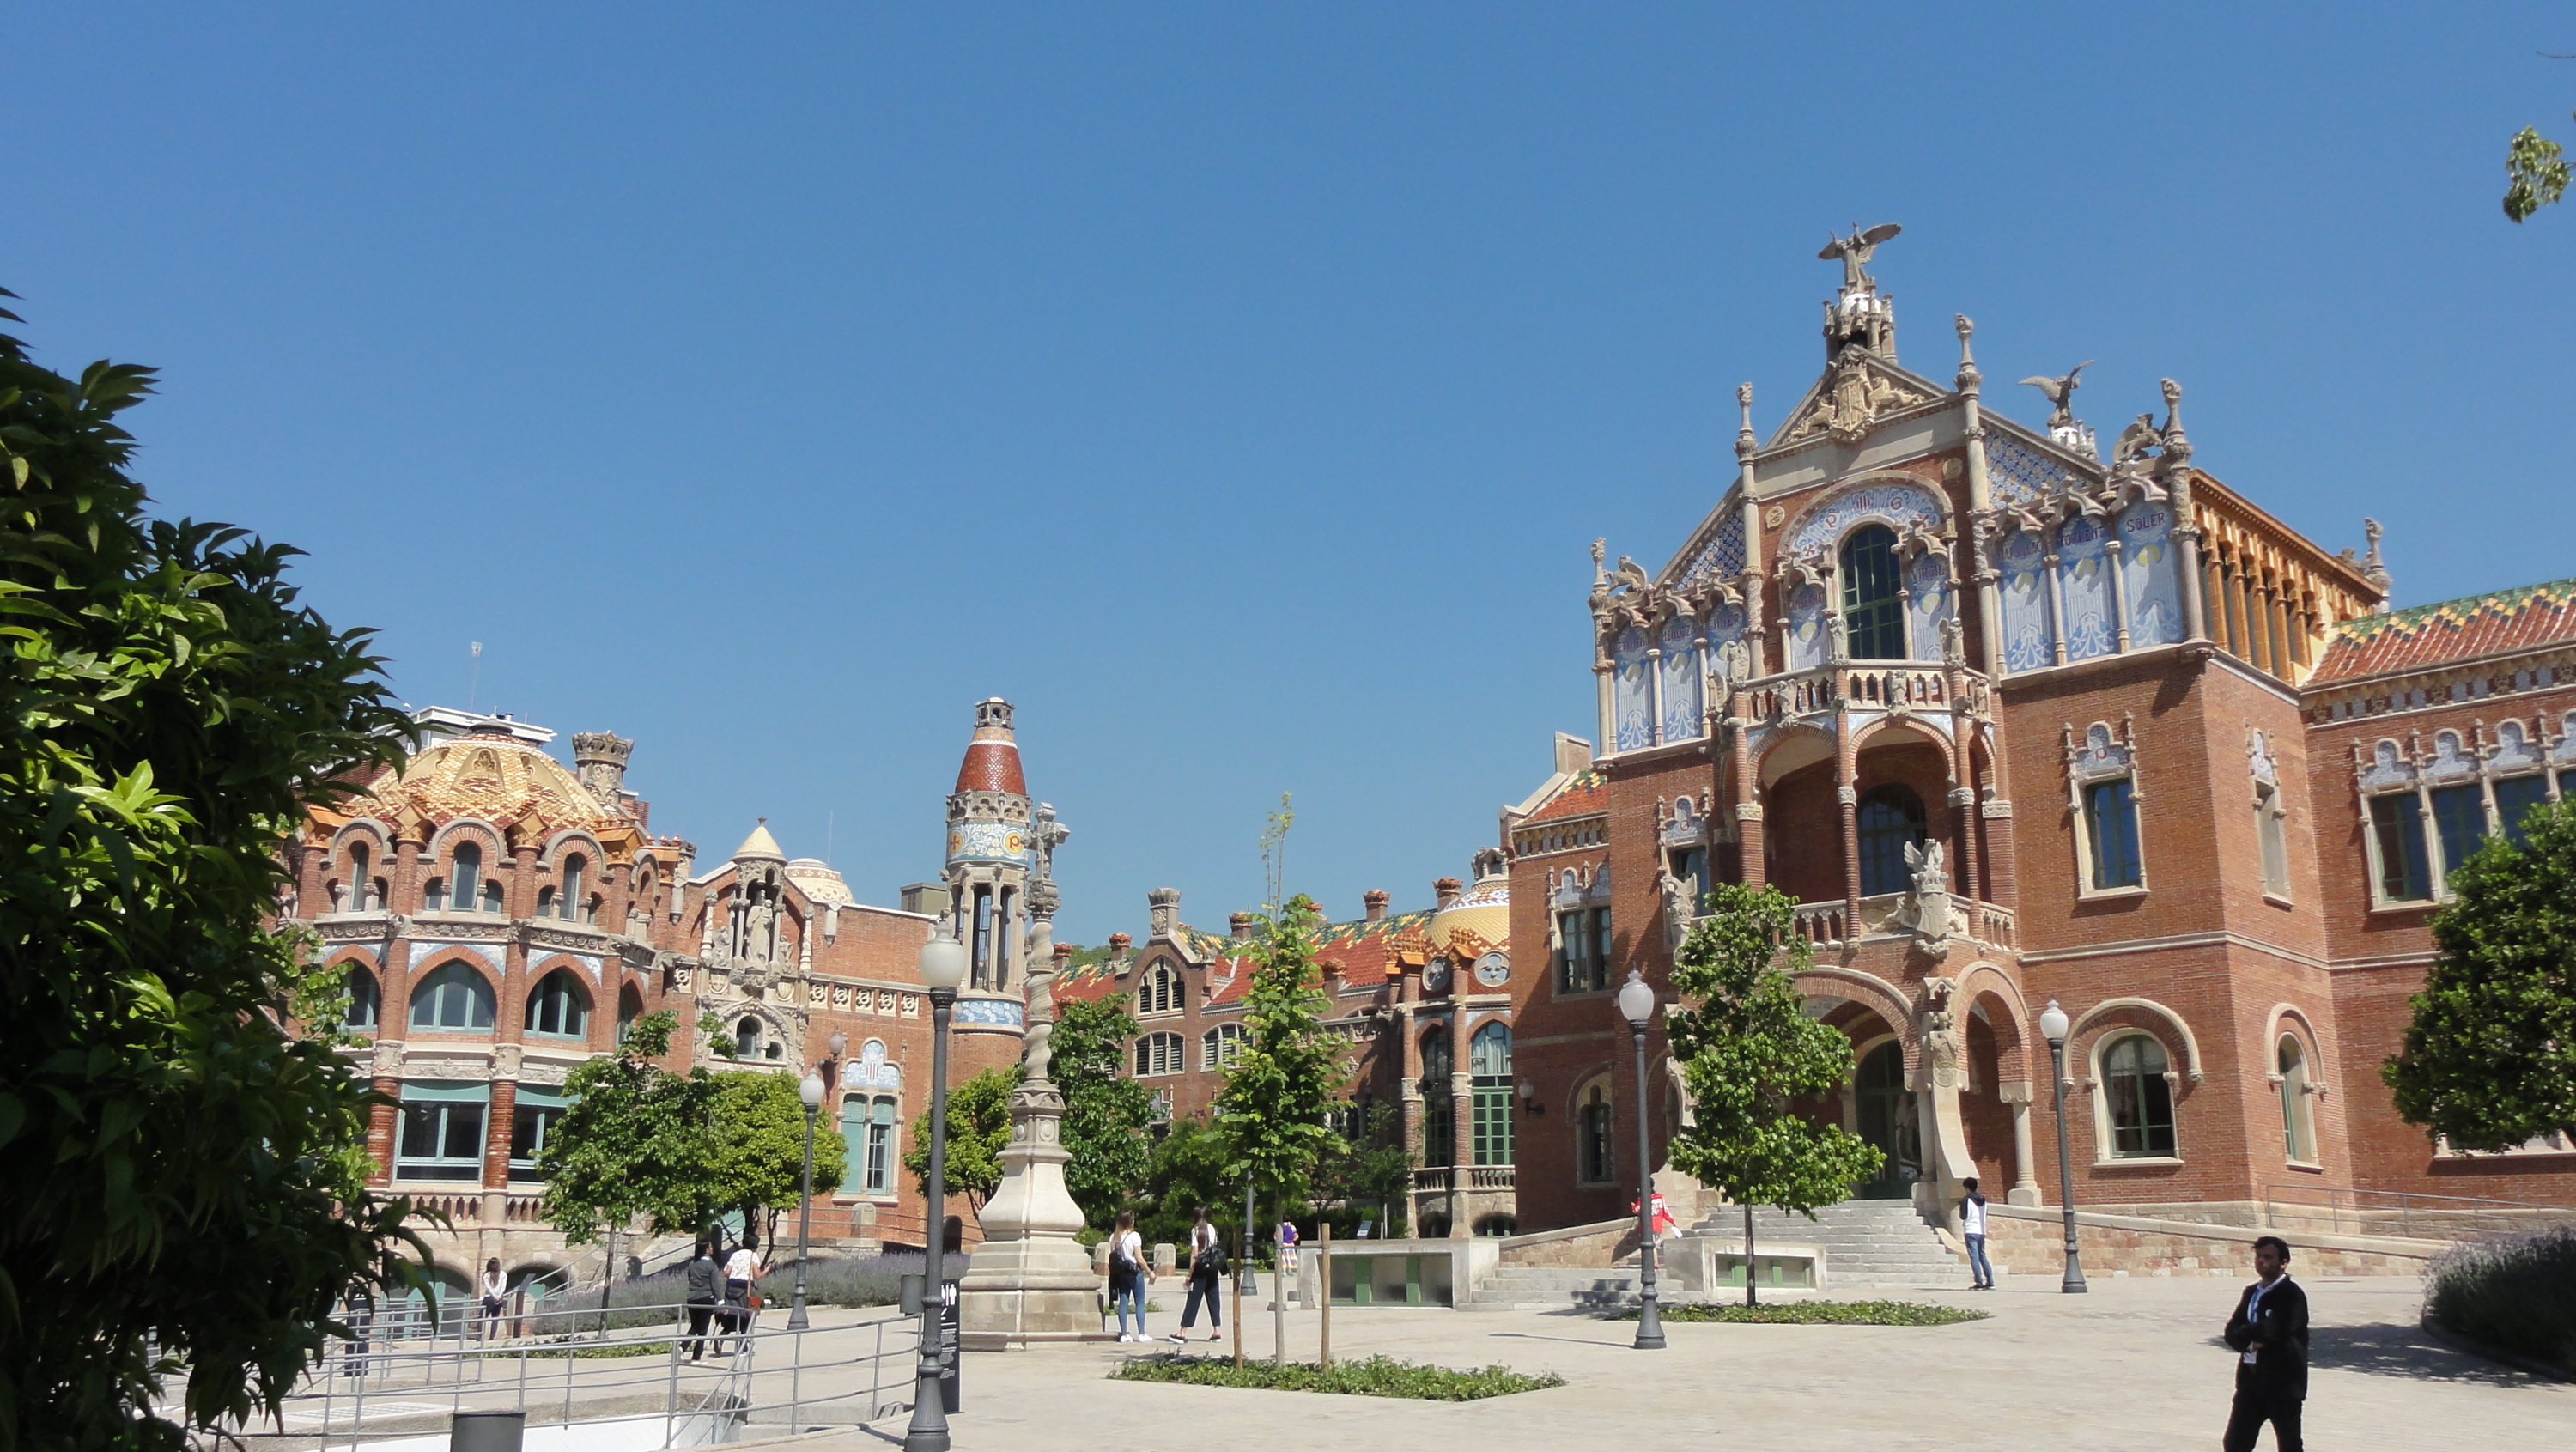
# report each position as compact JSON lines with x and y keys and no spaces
{"x":2134,"y":1366}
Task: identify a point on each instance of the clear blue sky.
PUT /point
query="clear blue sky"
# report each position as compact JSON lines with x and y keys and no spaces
{"x":1237,"y":389}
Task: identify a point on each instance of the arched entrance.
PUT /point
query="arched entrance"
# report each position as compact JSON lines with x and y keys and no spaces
{"x":1886,"y":1116}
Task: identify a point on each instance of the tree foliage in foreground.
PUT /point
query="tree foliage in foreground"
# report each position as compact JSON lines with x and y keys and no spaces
{"x":1273,"y":1113}
{"x":1747,"y":1051}
{"x":180,"y":1168}
{"x":1105,"y":1113}
{"x":2535,"y":174}
{"x":2490,"y":1058}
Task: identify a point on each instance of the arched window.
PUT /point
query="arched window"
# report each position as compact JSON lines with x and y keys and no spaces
{"x":2139,"y":1099}
{"x":867,"y":1128}
{"x":2298,"y":1127}
{"x":1223,"y":1045}
{"x":560,"y":1007}
{"x":630,"y":1007}
{"x":1159,"y":1054}
{"x":568,"y":904}
{"x":453,"y":996}
{"x":1594,"y":1163}
{"x":356,"y":901}
{"x":746,"y":1039}
{"x":1439,"y":1113}
{"x":366,"y":1000}
{"x":465,"y":873}
{"x":1489,"y":1060}
{"x":433,"y":895}
{"x":1161,"y":992}
{"x":1890,"y":817}
{"x":1873,"y":616}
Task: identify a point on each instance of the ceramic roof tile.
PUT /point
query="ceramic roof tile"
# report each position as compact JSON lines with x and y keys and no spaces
{"x":2422,"y":636}
{"x":1587,"y":794}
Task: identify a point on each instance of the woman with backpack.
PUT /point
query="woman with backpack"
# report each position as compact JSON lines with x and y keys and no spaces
{"x":1128,"y":1273}
{"x":1207,"y":1272}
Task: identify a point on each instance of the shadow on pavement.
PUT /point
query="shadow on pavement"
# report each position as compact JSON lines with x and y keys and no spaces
{"x":2389,"y":1349}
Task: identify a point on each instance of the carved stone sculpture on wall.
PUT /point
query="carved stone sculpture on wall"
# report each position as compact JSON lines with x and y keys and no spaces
{"x":1678,"y":906}
{"x":1927,"y":905}
{"x":1944,"y":1048}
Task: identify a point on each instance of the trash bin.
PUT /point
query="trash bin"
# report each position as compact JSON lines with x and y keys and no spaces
{"x":488,"y":1431}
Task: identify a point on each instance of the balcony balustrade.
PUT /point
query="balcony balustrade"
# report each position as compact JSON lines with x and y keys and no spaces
{"x":1829,"y":925}
{"x":1866,"y":686}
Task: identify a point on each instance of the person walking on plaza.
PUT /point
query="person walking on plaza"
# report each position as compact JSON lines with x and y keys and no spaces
{"x":1207,"y":1274}
{"x":1128,"y":1273}
{"x":742,"y":1272}
{"x":704,"y":1280}
{"x":1972,"y":1226}
{"x":495,"y":1287}
{"x":2269,"y":1334}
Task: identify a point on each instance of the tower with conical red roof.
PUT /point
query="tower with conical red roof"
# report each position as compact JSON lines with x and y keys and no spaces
{"x":991,"y":849}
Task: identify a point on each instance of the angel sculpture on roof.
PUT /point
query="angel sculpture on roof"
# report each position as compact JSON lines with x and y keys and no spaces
{"x":1855,"y":251}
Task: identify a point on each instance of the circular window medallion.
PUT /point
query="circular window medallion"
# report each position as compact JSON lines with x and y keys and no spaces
{"x":1494,"y":970}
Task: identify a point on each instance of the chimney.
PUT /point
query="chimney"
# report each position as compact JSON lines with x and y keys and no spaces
{"x":1242,"y":925}
{"x":599,"y":761}
{"x":1374,"y":901}
{"x":1118,"y":945}
{"x":1445,"y":891}
{"x":1063,"y":956}
{"x":1573,"y":754}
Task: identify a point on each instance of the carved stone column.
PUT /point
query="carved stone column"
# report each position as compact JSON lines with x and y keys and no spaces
{"x":1030,"y":1282}
{"x":2025,"y":1188}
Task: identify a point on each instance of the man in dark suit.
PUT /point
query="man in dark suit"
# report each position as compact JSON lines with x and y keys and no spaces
{"x":2269,"y":1334}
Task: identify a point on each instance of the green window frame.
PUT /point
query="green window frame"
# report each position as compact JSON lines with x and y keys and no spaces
{"x":441,"y":1137}
{"x":559,"y":1008}
{"x":534,"y":1113}
{"x":2140,"y":1101}
{"x":1890,"y":819}
{"x":1439,"y":1112}
{"x":2111,"y":832}
{"x":2516,"y":797}
{"x":2397,"y":831}
{"x":1489,"y":1060}
{"x":453,"y":998}
{"x":1873,"y":615}
{"x":2460,"y":822}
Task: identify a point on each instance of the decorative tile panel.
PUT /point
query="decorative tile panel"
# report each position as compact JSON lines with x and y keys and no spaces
{"x":1896,"y":505}
{"x":989,"y":1010}
{"x":2030,"y":637}
{"x":1722,"y":558}
{"x":1632,"y":701}
{"x":2018,"y":474}
{"x":2084,"y":588}
{"x":1683,"y":720}
{"x":2147,"y":569}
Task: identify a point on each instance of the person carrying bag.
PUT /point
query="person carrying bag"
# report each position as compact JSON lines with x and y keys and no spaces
{"x":1207,"y":1277}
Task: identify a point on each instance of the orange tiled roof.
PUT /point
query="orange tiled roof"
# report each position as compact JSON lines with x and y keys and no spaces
{"x":1586,"y":795}
{"x":2421,"y":636}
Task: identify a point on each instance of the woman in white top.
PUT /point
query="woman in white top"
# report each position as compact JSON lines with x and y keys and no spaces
{"x":1207,"y":1268}
{"x":742,"y":1270}
{"x":1128,"y":1273}
{"x":496,"y":1287}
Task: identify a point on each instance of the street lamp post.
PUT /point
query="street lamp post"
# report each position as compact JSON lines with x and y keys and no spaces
{"x":811,"y":1092}
{"x":2052,"y":1027}
{"x":1637,"y":1005}
{"x":943,"y":967}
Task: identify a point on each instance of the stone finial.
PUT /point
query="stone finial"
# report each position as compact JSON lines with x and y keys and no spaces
{"x":2373,"y":567}
{"x":1600,"y":551}
{"x":1969,"y":377}
{"x":1373,"y":904}
{"x":599,"y":762}
{"x":1163,"y":910}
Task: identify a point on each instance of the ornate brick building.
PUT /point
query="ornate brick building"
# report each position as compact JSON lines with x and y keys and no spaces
{"x":505,"y":918}
{"x":2013,"y":724}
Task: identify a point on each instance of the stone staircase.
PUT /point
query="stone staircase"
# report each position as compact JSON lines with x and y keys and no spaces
{"x":1869,"y":1245}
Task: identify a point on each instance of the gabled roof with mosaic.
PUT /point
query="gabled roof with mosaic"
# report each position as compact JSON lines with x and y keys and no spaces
{"x":2023,"y":468}
{"x":1360,"y":949}
{"x":488,"y":777}
{"x":1585,"y":794}
{"x":2422,"y":636}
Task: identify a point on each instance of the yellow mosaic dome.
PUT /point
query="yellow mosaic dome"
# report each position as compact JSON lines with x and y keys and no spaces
{"x":1479,"y":921}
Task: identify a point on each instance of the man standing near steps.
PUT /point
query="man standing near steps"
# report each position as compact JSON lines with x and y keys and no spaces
{"x":2269,"y":1334}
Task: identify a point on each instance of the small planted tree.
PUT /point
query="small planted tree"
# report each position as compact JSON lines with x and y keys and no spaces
{"x":756,"y":1141}
{"x":1105,"y":1113}
{"x":2489,"y":1061}
{"x":1747,"y":1051}
{"x":634,"y":1143}
{"x":979,"y":1129}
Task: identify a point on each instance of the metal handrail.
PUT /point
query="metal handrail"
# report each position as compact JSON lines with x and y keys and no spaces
{"x":2455,"y":1217}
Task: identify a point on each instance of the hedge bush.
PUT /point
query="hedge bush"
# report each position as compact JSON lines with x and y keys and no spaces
{"x":2517,"y":1294}
{"x":1377,"y":1376}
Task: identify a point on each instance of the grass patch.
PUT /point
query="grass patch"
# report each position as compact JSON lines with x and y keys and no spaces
{"x":1378,"y":1376}
{"x":2517,"y":1294}
{"x":581,"y":1352}
{"x":1820,"y":1313}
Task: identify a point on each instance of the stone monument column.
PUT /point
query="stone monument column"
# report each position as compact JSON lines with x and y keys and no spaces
{"x":1030,"y":1282}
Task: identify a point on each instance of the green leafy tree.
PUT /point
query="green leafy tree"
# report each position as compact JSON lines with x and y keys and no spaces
{"x":180,"y":1164}
{"x":1374,"y":1171}
{"x":1105,"y":1113}
{"x":634,"y":1143}
{"x":1747,"y":1051}
{"x":2490,"y":1058}
{"x":979,"y":1129}
{"x":756,"y":1160}
{"x":1190,"y":1167}
{"x":2535,"y":174}
{"x":1273,"y":1111}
